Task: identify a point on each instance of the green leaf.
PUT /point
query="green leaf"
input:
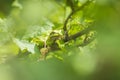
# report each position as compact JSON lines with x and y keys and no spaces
{"x":25,"y":45}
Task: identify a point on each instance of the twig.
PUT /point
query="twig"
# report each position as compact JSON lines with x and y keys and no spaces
{"x":78,"y":34}
{"x":69,"y":16}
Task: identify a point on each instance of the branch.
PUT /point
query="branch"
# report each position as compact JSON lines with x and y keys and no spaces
{"x":69,"y":16}
{"x":74,"y":36}
{"x":65,"y":26}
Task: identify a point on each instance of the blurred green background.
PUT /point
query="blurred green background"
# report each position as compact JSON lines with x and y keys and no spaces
{"x":26,"y":19}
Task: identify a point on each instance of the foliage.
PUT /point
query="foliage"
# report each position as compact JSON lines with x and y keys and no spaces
{"x":39,"y":33}
{"x":47,"y":32}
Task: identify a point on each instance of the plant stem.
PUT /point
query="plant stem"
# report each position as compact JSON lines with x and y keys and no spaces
{"x":69,"y":16}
